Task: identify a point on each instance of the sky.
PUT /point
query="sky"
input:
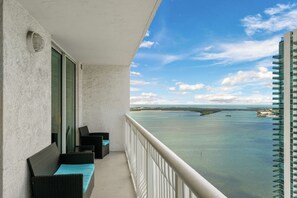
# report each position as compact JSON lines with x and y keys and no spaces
{"x":210,"y":52}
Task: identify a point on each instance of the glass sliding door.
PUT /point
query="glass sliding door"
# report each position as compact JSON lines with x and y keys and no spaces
{"x":70,"y":105}
{"x":57,"y":98}
{"x":63,"y":102}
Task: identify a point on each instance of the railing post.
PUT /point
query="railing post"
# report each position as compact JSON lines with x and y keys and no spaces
{"x":178,"y":187}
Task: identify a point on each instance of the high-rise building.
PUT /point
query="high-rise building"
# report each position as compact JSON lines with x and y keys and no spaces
{"x":285,"y":130}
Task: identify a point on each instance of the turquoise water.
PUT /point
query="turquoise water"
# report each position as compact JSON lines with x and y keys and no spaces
{"x":233,"y":153}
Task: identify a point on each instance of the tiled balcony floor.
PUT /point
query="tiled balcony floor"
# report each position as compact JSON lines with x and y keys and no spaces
{"x":112,"y":177}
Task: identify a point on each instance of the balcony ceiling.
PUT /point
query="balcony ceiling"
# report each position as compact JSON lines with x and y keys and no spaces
{"x":95,"y":32}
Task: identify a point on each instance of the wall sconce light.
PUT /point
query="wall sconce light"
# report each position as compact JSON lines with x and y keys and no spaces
{"x":35,"y":42}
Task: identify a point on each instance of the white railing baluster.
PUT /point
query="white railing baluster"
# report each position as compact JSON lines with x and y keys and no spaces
{"x":160,"y":182}
{"x":157,"y":172}
{"x":178,"y":187}
{"x":149,"y":176}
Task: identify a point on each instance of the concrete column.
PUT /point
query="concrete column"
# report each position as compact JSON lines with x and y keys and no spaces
{"x":294,"y":106}
{"x":287,"y":114}
{"x":1,"y":99}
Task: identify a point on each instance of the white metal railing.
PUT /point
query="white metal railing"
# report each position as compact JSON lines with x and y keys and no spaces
{"x":157,"y":172}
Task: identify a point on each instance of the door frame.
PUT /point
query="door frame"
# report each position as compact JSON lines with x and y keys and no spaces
{"x":74,"y":101}
{"x":65,"y":55}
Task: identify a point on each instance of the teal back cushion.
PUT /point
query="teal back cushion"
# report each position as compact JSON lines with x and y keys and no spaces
{"x":105,"y":142}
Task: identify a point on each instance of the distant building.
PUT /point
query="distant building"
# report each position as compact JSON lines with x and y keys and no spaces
{"x":285,"y":130}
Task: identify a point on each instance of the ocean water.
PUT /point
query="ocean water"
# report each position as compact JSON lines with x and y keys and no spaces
{"x":233,"y":153}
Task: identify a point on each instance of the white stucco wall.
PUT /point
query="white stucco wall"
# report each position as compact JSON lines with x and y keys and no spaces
{"x":1,"y":97}
{"x":105,"y":99}
{"x":26,"y":98}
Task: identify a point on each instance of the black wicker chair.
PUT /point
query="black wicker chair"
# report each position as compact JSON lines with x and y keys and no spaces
{"x":46,"y":184}
{"x":100,"y":140}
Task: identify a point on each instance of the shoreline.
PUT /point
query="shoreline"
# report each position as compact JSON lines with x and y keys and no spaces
{"x":202,"y":111}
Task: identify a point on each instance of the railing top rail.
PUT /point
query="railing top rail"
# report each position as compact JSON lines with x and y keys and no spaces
{"x":198,"y":184}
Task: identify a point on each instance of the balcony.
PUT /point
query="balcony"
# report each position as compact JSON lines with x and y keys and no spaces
{"x":112,"y":173}
{"x":155,"y":170}
{"x":276,"y":67}
{"x":277,"y":57}
{"x":277,"y":62}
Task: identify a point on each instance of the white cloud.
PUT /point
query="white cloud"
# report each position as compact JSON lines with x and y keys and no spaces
{"x":139,"y":82}
{"x":208,"y":48}
{"x":254,"y":99}
{"x":149,"y":98}
{"x":184,"y":87}
{"x":277,"y":19}
{"x":134,"y":89}
{"x":242,"y":77}
{"x":180,"y":93}
{"x":242,"y":51}
{"x":265,"y":63}
{"x":279,"y":8}
{"x":215,"y":98}
{"x":172,"y":88}
{"x":133,"y":73}
{"x":147,"y":34}
{"x":170,"y":58}
{"x":163,"y":58}
{"x":134,"y":65}
{"x":144,"y":98}
{"x":232,"y":99}
{"x":222,"y":89}
{"x":146,"y":44}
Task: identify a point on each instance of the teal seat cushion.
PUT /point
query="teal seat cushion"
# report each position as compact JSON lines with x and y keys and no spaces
{"x":86,"y":169}
{"x":105,"y":142}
